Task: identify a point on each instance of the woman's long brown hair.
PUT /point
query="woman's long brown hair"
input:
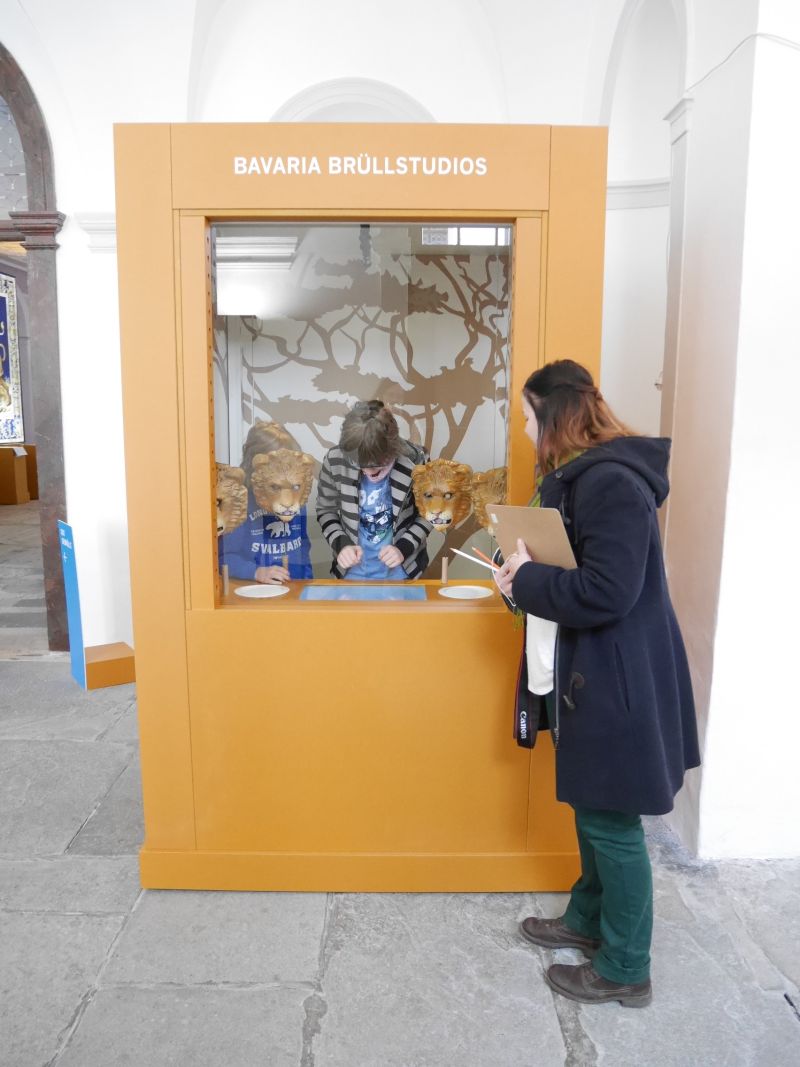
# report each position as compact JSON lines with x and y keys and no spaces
{"x":571,"y":412}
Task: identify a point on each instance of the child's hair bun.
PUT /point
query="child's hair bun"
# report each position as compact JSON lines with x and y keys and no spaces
{"x":370,"y":436}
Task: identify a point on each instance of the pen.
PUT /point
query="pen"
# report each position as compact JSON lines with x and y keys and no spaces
{"x":466,"y":555}
{"x":483,"y":555}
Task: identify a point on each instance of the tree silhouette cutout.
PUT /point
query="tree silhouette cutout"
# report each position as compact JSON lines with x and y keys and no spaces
{"x":335,"y":319}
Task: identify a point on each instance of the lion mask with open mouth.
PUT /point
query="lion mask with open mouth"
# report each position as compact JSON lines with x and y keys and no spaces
{"x":442,"y":492}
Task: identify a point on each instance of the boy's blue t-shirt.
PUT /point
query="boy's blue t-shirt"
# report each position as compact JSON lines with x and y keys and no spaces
{"x":375,"y":530}
{"x":264,"y":540}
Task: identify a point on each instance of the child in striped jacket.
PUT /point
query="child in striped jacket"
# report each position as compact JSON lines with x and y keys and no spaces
{"x":365,"y":506}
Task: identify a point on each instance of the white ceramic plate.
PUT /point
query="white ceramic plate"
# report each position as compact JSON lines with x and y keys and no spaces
{"x":465,"y":592}
{"x":261,"y":590}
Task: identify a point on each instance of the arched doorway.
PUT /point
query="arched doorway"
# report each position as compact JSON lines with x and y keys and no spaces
{"x":36,"y":228}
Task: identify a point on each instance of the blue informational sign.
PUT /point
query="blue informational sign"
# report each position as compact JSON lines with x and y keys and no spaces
{"x":67,"y":543}
{"x":350,"y":591}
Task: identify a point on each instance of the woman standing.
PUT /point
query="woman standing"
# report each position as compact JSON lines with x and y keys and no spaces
{"x":613,"y":684}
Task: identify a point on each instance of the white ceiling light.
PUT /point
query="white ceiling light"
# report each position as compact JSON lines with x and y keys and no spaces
{"x":243,"y":249}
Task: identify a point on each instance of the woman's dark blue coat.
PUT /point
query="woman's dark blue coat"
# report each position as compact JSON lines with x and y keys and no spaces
{"x":624,"y":716}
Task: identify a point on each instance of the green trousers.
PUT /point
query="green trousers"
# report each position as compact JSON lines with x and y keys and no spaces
{"x":613,"y":898}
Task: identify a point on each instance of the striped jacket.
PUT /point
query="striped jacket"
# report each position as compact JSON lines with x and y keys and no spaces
{"x":337,"y":508}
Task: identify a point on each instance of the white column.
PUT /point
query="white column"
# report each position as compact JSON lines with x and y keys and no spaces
{"x":733,"y":516}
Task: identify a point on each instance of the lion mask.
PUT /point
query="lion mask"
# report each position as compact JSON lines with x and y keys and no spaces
{"x":489,"y":487}
{"x":231,"y":498}
{"x":264,"y":437}
{"x":442,"y":492}
{"x":281,"y":481}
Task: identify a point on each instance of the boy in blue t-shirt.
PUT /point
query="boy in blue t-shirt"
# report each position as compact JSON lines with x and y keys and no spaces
{"x":380,"y":558}
{"x":365,"y":504}
{"x":257,"y":549}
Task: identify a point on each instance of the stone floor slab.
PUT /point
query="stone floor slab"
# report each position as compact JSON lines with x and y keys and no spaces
{"x":53,"y":682}
{"x":116,"y":827}
{"x":28,"y":620}
{"x":18,"y":535}
{"x":20,"y":556}
{"x":49,"y":788}
{"x":766,"y":898}
{"x":21,"y":585}
{"x":708,"y":1009}
{"x":168,"y":1027}
{"x":75,"y":884}
{"x":20,"y":514}
{"x":16,"y":642}
{"x":189,"y":938}
{"x":436,"y":980}
{"x":42,"y":701}
{"x":50,"y":962}
{"x":126,"y":729}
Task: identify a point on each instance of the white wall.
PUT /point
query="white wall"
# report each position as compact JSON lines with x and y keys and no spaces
{"x":260,"y":52}
{"x":645,"y":88}
{"x":642,"y":84}
{"x":634,"y":302}
{"x":131,"y":67}
{"x":737,"y":377}
{"x":703,"y":403}
{"x":751,"y":788}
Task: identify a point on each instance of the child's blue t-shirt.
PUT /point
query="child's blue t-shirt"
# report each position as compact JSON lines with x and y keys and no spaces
{"x":264,"y":540}
{"x":375,"y":531}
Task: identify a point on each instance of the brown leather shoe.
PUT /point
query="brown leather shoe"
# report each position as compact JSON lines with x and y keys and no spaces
{"x":552,"y":933}
{"x":583,"y":983}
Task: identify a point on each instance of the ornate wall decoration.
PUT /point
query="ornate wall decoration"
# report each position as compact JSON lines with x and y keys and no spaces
{"x":11,"y":428}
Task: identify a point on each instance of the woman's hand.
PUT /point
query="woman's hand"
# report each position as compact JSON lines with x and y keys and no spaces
{"x":505,"y":576}
{"x":391,"y":556}
{"x":349,"y":556}
{"x":272,"y":575}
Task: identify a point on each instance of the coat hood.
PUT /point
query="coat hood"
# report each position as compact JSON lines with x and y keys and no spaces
{"x":647,"y":456}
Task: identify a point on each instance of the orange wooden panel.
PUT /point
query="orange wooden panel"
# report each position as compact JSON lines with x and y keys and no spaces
{"x":13,"y":477}
{"x":198,"y":412}
{"x":525,"y":354}
{"x":149,"y":379}
{"x":108,"y":665}
{"x":453,"y":872}
{"x":320,"y":731}
{"x":576,"y":229}
{"x":516,"y":160}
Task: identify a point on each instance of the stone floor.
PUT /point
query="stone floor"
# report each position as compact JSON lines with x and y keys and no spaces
{"x":95,"y":972}
{"x":23,"y":623}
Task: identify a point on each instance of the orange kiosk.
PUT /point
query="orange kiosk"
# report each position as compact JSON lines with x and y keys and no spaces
{"x":277,"y":273}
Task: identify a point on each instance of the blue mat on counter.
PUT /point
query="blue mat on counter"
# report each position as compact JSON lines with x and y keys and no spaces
{"x":352,"y":591}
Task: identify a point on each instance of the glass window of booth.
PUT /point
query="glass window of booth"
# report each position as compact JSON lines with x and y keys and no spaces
{"x":313,"y":324}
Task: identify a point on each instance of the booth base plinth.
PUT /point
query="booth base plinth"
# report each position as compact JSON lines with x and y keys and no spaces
{"x":550,"y":872}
